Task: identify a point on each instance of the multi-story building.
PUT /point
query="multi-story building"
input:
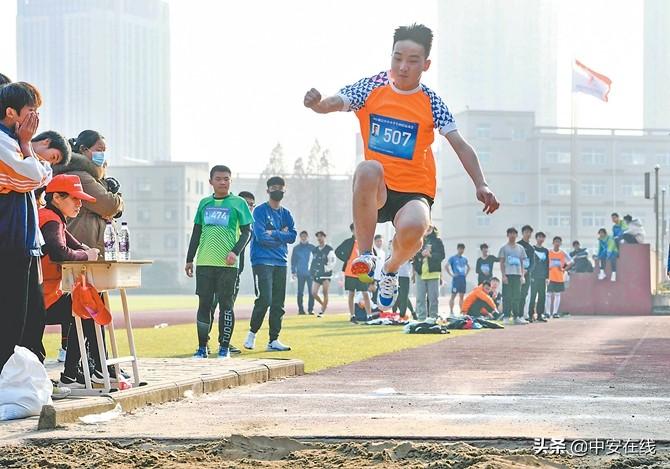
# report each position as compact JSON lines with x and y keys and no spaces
{"x":161,"y":200}
{"x":102,"y":65}
{"x":160,"y":204}
{"x":499,"y":56}
{"x":562,"y":181}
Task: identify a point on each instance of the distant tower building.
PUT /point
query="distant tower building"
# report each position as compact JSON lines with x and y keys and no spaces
{"x":499,"y":56}
{"x":102,"y":65}
{"x":656,"y":64}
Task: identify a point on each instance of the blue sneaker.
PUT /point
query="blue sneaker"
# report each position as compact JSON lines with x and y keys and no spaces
{"x":388,"y":291}
{"x":200,"y":354}
{"x":223,"y":353}
{"x":364,"y":266}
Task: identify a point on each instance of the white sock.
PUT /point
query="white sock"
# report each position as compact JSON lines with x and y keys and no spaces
{"x":558,"y":302}
{"x":549,"y":303}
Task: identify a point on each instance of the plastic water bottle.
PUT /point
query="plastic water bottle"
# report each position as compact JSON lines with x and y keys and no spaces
{"x":110,"y":242}
{"x":124,"y":242}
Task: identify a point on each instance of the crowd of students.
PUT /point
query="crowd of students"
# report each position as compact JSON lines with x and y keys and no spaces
{"x":55,"y":201}
{"x":533,"y":276}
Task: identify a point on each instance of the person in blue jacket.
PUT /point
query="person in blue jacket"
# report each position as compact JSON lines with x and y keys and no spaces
{"x":300,"y":257}
{"x":273,"y":231}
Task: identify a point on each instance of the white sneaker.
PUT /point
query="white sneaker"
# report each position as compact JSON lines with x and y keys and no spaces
{"x":61,"y":355}
{"x":507,"y":321}
{"x":520,"y":321}
{"x":276,"y":346}
{"x":388,"y":291}
{"x":613,"y":276}
{"x":602,"y":275}
{"x":250,"y":343}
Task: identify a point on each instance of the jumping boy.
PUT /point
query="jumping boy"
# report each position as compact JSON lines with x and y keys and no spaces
{"x":397,"y":181}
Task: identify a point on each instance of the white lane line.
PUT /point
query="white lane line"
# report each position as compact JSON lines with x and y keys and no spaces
{"x":443,"y":397}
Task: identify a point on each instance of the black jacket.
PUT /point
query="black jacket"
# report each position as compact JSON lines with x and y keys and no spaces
{"x":436,"y":258}
{"x":343,"y":251}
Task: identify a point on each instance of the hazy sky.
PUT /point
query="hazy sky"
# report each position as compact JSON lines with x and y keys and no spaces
{"x":239,"y":72}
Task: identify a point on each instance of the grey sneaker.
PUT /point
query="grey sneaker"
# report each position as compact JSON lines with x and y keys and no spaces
{"x":520,"y":321}
{"x":60,"y":392}
{"x":276,"y":346}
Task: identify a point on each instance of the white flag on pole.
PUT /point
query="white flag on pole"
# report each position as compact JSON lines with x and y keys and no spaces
{"x":585,"y":80}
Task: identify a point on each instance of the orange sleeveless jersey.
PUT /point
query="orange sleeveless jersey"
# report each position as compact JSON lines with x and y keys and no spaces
{"x":398,"y":128}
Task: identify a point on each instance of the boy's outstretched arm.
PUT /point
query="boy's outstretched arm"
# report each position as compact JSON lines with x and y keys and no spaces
{"x":470,"y":162}
{"x":322,"y":106}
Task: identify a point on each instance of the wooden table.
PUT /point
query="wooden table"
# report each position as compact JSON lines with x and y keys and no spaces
{"x":106,"y":276}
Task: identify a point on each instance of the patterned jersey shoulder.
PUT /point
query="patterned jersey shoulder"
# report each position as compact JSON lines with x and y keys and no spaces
{"x":354,"y":96}
{"x":442,"y":118}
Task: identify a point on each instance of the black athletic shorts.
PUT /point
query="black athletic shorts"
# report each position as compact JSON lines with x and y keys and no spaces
{"x":353,"y":284}
{"x":397,"y":200}
{"x":320,"y":279}
{"x":556,"y":287}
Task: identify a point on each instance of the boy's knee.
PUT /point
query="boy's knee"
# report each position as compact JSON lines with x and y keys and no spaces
{"x":368,"y":172}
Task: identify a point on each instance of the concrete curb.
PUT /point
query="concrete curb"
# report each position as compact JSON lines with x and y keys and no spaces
{"x":69,"y":410}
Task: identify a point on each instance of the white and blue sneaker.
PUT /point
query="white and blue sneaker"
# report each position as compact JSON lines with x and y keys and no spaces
{"x":200,"y":354}
{"x":388,"y":291}
{"x":223,"y":353}
{"x":364,"y":267}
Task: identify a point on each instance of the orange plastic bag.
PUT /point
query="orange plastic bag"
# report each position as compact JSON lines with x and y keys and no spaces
{"x":87,"y":304}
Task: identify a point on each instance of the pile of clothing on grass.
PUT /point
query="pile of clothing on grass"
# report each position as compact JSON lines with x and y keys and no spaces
{"x":432,"y":326}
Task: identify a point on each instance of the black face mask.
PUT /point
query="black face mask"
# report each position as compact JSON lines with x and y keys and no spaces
{"x":277,"y":195}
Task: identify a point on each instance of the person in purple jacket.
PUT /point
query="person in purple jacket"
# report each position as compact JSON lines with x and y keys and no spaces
{"x":273,"y":231}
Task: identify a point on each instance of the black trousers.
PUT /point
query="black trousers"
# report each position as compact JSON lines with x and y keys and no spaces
{"x":538,"y":297}
{"x":512,"y":296}
{"x":60,"y":313}
{"x":270,"y":285}
{"x":302,"y":281}
{"x":220,"y":282}
{"x":23,"y":315}
{"x":525,"y":288}
{"x":476,"y":308}
{"x":403,"y":302}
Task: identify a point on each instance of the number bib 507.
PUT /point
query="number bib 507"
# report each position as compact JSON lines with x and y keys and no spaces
{"x":392,"y":137}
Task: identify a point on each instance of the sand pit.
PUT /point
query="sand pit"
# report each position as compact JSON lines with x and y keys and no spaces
{"x":262,"y":452}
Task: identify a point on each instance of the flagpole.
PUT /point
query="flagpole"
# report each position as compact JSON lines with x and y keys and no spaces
{"x":573,"y":165}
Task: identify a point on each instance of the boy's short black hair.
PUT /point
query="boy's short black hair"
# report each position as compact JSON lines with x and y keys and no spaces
{"x":487,"y":283}
{"x":351,"y":227}
{"x":527,"y":228}
{"x":602,"y":230}
{"x":460,"y":246}
{"x":614,"y":214}
{"x":247,"y":195}
{"x":4,"y":79}
{"x":512,"y":230}
{"x":557,"y":238}
{"x":320,"y":233}
{"x":276,"y":181}
{"x":17,"y":96}
{"x":418,"y":33}
{"x":540,"y":234}
{"x":378,"y":236}
{"x":304,"y":232}
{"x":576,"y":243}
{"x":483,"y":246}
{"x":58,"y":142}
{"x":219,"y":168}
{"x":627,"y":218}
{"x":495,"y":279}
